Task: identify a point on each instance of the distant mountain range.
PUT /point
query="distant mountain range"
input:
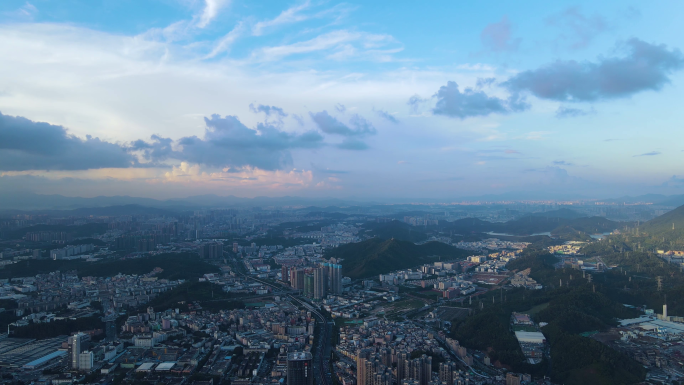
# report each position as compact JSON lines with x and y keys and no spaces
{"x":32,"y":201}
{"x":657,"y":199}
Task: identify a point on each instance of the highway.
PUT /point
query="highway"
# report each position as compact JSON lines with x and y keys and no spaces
{"x":322,"y":358}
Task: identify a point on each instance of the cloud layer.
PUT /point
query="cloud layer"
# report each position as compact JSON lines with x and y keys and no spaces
{"x":645,"y":67}
{"x":469,"y":103}
{"x":28,"y":145}
{"x":227,"y":142}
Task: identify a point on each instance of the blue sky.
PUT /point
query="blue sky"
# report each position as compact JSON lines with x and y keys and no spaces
{"x":382,"y":99}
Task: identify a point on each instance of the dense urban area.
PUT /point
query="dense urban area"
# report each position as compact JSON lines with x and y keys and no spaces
{"x":479,"y":293}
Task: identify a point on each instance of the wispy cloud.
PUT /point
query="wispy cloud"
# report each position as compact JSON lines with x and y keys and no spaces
{"x":24,"y":13}
{"x":336,"y":45}
{"x":562,"y":163}
{"x":224,"y":44}
{"x":498,"y":37}
{"x":652,"y":153}
{"x":288,"y":16}
{"x":387,"y":116}
{"x":210,"y":11}
{"x":578,"y":29}
{"x":569,"y":112}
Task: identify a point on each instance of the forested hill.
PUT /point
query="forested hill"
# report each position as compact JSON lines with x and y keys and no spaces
{"x":378,"y":256}
{"x":669,"y":225}
{"x":534,"y":224}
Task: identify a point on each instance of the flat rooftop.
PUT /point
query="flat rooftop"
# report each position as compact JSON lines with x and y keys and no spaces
{"x":299,"y":356}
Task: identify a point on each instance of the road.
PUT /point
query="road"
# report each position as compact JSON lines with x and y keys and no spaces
{"x":323,"y":349}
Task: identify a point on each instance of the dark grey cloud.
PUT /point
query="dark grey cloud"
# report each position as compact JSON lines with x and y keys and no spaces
{"x":652,"y":153}
{"x":498,"y":37}
{"x":229,"y":143}
{"x":645,"y":67}
{"x":569,"y":112}
{"x":270,"y":111}
{"x":331,"y":125}
{"x":578,"y":30}
{"x":29,"y":145}
{"x":387,"y":115}
{"x":456,"y":104}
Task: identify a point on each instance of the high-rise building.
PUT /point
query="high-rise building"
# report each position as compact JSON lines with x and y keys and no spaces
{"x":212,"y":250}
{"x":297,"y":279}
{"x":361,"y":357}
{"x":110,"y":330}
{"x":446,"y":372}
{"x":402,"y":358}
{"x":300,"y":368}
{"x":284,"y":273}
{"x":426,"y":373}
{"x":419,"y":369}
{"x":319,"y":283}
{"x":309,"y":285}
{"x":76,"y":346}
{"x":334,"y":272}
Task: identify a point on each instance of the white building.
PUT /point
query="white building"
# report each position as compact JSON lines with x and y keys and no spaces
{"x":85,"y":361}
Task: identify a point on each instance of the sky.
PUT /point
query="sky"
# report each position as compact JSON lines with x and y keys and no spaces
{"x":377,"y":100}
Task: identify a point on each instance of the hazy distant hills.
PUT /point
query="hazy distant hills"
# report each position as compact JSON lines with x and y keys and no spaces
{"x":31,"y":201}
{"x":560,"y":213}
{"x":377,"y":256}
{"x":656,"y":199}
{"x":119,"y":210}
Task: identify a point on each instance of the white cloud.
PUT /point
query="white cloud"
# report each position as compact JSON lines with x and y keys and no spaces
{"x":224,"y":44}
{"x":210,"y":11}
{"x":288,"y":16}
{"x":25,"y":12}
{"x":340,"y":44}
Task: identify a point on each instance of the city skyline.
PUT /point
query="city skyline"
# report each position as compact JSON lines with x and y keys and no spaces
{"x":169,"y":99}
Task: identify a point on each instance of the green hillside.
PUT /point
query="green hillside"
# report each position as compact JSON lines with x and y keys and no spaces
{"x":378,"y":256}
{"x":577,"y":307}
{"x":397,"y":230}
{"x":662,"y":226}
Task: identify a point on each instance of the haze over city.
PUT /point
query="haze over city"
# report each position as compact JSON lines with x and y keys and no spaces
{"x":365,"y":101}
{"x":330,"y":192}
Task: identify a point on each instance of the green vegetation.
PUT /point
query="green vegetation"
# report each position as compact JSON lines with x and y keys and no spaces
{"x":176,"y":266}
{"x":581,"y":360}
{"x":397,"y":230}
{"x":662,"y":226}
{"x":206,"y":294}
{"x":377,"y":256}
{"x":57,"y":328}
{"x":577,"y":307}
